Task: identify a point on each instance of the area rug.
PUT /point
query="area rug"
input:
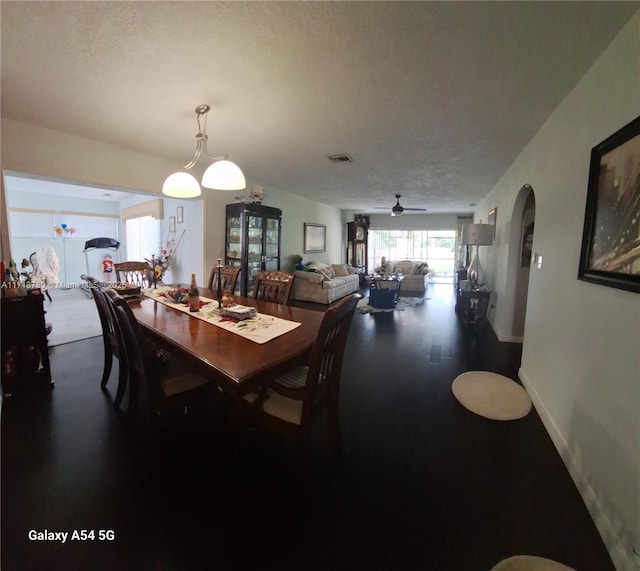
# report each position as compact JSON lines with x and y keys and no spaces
{"x":73,"y":316}
{"x":403,"y":303}
{"x":491,"y":395}
{"x":530,"y":563}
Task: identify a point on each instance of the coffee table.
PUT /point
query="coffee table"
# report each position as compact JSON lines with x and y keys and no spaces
{"x":384,"y":291}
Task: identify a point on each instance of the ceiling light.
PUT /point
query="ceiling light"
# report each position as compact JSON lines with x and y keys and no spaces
{"x":221,"y":175}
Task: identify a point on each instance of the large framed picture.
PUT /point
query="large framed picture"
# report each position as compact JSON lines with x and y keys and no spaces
{"x":611,"y":237}
{"x":315,"y":238}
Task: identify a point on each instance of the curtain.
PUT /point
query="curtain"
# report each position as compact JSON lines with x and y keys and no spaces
{"x":464,"y":252}
{"x":153,"y":208}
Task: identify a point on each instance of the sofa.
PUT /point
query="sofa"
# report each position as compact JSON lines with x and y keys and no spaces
{"x":324,"y":283}
{"x":416,"y":276}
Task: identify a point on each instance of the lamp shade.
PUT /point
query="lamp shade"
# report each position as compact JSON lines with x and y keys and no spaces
{"x":478,"y":234}
{"x":224,"y":175}
{"x":181,"y":185}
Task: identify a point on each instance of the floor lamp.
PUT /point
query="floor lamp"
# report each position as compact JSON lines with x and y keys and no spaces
{"x":476,"y":235}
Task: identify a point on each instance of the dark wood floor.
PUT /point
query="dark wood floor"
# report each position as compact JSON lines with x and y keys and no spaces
{"x":422,"y":484}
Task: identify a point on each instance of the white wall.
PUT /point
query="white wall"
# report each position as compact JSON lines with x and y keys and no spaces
{"x":581,"y":352}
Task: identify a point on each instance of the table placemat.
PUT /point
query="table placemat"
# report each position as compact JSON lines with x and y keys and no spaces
{"x":259,"y":329}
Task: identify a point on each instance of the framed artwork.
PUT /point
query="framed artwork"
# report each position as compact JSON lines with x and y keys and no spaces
{"x":315,"y":238}
{"x":180,"y":214}
{"x":172,"y":223}
{"x":491,"y":219}
{"x":611,"y":236}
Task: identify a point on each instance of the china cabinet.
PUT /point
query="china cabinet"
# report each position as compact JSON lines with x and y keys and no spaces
{"x":252,"y":241}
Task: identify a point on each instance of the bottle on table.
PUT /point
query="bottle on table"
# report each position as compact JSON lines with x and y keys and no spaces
{"x":194,"y":295}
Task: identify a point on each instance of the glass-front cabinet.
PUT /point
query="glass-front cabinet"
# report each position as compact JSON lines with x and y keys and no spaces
{"x":252,"y":242}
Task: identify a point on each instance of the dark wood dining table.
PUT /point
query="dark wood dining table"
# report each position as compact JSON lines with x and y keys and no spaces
{"x":235,"y":363}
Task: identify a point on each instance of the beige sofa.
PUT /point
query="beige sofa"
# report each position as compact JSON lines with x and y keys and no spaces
{"x":416,"y":276}
{"x":325,"y":283}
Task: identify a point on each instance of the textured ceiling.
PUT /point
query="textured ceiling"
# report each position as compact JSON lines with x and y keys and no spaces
{"x":433,"y":100}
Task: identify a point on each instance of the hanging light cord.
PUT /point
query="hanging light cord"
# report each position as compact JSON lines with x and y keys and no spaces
{"x":201,"y":138}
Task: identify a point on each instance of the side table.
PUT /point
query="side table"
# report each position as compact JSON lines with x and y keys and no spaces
{"x":384,"y":291}
{"x":473,"y":306}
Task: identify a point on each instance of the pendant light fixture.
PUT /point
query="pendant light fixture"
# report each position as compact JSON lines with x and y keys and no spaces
{"x":222,"y":174}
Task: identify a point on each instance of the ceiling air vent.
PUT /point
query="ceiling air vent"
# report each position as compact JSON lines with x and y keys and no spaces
{"x":341,"y":158}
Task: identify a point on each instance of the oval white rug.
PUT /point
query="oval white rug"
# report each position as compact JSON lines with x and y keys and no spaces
{"x":530,"y":563}
{"x":491,"y":395}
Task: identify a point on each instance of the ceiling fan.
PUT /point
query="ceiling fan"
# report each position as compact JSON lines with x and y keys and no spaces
{"x":397,"y":210}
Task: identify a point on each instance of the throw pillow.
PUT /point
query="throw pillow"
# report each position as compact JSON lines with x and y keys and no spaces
{"x":417,"y":269}
{"x":326,"y":272}
{"x":340,"y":270}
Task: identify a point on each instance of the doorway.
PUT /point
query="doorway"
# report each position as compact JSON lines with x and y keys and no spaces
{"x":524,"y":212}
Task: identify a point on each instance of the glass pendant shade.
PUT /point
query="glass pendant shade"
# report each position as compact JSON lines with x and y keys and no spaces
{"x":224,"y":175}
{"x":181,"y":185}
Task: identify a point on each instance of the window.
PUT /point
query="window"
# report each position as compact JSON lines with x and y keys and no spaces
{"x":26,"y":223}
{"x":143,"y":238}
{"x":436,"y":247}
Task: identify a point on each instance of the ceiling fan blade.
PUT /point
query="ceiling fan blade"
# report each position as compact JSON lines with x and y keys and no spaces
{"x":421,"y":209}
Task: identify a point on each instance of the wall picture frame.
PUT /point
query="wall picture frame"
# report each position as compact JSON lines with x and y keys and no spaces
{"x":610,"y":252}
{"x":180,"y":214}
{"x":315,"y":238}
{"x":172,"y":223}
{"x":492,"y":219}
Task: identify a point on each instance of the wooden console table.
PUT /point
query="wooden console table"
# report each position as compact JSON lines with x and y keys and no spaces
{"x":472,"y":307}
{"x":25,"y":353}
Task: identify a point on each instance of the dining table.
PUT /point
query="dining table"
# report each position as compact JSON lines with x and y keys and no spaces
{"x":236,"y":363}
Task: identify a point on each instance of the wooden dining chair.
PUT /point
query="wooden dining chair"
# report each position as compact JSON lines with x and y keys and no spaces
{"x":157,"y":380}
{"x":112,"y":343}
{"x":290,"y":403}
{"x":273,"y":286}
{"x":135,"y":273}
{"x":228,"y":278}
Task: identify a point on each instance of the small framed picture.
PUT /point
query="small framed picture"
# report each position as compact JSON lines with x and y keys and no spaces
{"x":180,"y":215}
{"x":491,"y":219}
{"x":172,"y":223}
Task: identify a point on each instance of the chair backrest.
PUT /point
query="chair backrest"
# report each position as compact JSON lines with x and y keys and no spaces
{"x":228,"y":278}
{"x":273,"y":286}
{"x":325,"y":362}
{"x":135,"y":273}
{"x":138,"y":353}
{"x":106,"y":314}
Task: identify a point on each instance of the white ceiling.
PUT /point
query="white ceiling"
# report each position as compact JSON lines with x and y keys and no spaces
{"x":433,"y":100}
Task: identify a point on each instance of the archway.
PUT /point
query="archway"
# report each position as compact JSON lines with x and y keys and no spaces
{"x":521,"y":244}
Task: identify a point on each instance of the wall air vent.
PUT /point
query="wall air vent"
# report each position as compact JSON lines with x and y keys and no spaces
{"x":341,"y":158}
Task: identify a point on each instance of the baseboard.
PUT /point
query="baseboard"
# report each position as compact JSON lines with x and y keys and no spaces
{"x":504,"y":338}
{"x":622,"y":558}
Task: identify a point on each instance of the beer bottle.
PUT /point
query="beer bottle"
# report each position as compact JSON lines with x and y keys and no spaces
{"x":194,"y":295}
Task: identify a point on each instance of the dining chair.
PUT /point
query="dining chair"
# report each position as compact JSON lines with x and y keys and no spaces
{"x":156,"y":378}
{"x":135,"y":273}
{"x":228,"y":278}
{"x":291,"y":402}
{"x":113,"y":346}
{"x":273,"y":286}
